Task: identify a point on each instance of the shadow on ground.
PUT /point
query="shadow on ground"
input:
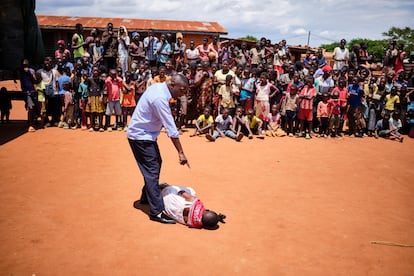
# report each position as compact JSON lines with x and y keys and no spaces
{"x":12,"y":130}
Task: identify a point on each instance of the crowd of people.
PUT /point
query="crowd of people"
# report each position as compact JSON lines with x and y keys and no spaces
{"x":235,"y":90}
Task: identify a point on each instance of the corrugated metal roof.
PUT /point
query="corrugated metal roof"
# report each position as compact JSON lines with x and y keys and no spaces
{"x":68,"y":22}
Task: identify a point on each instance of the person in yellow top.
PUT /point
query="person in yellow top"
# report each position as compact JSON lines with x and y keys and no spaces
{"x":255,"y":124}
{"x":204,"y":123}
{"x":391,"y":100}
{"x":371,"y":87}
{"x":78,"y":43}
{"x":162,"y":76}
{"x":227,"y":93}
{"x":41,"y":99}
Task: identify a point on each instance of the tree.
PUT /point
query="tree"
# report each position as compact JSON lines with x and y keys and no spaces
{"x":249,"y":38}
{"x":376,"y":48}
{"x":329,"y":47}
{"x":404,"y":36}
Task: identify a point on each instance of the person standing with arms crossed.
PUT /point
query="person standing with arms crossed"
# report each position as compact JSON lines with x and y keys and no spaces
{"x":151,"y":114}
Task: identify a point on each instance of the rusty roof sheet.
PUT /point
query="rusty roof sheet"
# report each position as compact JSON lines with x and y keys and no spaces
{"x":68,"y":22}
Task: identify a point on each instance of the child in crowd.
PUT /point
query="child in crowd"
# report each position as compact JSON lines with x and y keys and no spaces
{"x":264,"y":92}
{"x":290,"y":106}
{"x":295,"y":81}
{"x":323,"y":113}
{"x":255,"y":124}
{"x":62,"y":79}
{"x":306,"y":97}
{"x":5,"y":105}
{"x":27,"y":79}
{"x":356,"y":121}
{"x":41,"y":98}
{"x":410,"y":114}
{"x":94,"y":106}
{"x":114,"y":85}
{"x":103,"y":76}
{"x":226,"y":93}
{"x":395,"y":126}
{"x":68,"y":106}
{"x":150,"y":77}
{"x":382,"y":128}
{"x":342,"y":91}
{"x":335,"y":117}
{"x":273,"y":127}
{"x":204,"y":123}
{"x":372,"y":116}
{"x":97,"y":50}
{"x":403,"y":107}
{"x":223,"y":127}
{"x":392,"y":101}
{"x":128,"y":100}
{"x":162,"y":76}
{"x":371,"y":87}
{"x":83,"y":96}
{"x":247,"y":88}
{"x":240,"y":124}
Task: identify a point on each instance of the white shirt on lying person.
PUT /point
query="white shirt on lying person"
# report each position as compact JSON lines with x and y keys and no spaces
{"x":174,"y":204}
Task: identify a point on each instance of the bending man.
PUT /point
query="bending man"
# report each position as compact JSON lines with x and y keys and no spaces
{"x":151,"y":114}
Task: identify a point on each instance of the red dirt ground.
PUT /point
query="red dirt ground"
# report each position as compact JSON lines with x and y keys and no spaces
{"x":294,"y":207}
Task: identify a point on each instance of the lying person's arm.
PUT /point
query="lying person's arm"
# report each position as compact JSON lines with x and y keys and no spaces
{"x":187,"y":196}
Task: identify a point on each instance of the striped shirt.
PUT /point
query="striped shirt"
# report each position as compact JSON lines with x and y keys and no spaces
{"x":306,"y":103}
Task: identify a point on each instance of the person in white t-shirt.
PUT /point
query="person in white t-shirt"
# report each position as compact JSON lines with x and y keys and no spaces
{"x":340,"y":55}
{"x":223,"y":127}
{"x":192,"y":54}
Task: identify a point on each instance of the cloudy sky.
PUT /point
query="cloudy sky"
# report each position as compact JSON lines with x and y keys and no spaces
{"x":327,"y":20}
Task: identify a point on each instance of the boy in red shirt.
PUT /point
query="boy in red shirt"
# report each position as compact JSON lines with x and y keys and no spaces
{"x":323,"y":113}
{"x":342,"y":99}
{"x":114,"y":86}
{"x":306,"y":97}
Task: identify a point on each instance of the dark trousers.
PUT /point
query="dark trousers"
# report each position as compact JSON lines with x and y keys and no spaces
{"x":109,"y":63}
{"x":147,"y":155}
{"x":54,"y":108}
{"x":354,"y":117}
{"x":324,"y":125}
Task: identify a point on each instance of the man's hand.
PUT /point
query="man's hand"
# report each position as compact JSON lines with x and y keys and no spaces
{"x":183,"y":159}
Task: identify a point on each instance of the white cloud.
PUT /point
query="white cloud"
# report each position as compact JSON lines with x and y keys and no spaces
{"x":300,"y":31}
{"x":324,"y":33}
{"x":274,"y":19}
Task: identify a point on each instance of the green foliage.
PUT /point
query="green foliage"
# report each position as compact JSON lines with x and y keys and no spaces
{"x":377,"y":47}
{"x":329,"y":47}
{"x":249,"y":38}
{"x":404,"y":36}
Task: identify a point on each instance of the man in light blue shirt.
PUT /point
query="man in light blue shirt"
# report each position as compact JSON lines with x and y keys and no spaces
{"x":151,"y":114}
{"x":163,"y":50}
{"x":150,"y":46}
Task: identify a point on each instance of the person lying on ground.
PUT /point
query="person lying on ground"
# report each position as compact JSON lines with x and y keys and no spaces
{"x":182,"y":205}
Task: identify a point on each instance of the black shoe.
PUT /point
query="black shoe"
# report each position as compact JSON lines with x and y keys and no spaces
{"x":163,"y":218}
{"x":143,"y":201}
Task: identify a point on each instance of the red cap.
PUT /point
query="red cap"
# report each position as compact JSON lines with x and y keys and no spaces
{"x":326,"y":68}
{"x":61,"y":42}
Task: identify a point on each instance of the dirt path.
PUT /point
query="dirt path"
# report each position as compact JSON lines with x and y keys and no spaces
{"x":294,"y":207}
